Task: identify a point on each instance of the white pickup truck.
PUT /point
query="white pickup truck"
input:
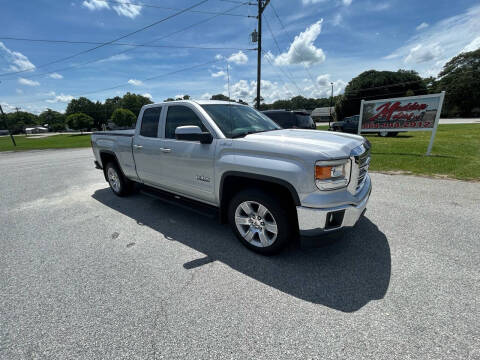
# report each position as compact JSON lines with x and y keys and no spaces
{"x":270,"y":184}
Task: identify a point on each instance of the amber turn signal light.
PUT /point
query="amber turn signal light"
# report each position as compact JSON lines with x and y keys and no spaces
{"x":323,"y":172}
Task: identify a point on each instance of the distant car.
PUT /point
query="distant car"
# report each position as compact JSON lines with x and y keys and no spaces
{"x":350,"y":125}
{"x":291,"y":119}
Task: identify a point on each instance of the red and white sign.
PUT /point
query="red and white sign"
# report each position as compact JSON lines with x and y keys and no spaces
{"x":401,"y":114}
{"x":413,"y":113}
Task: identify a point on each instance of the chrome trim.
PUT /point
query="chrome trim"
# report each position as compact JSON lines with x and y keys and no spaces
{"x":360,"y":157}
{"x":311,"y":221}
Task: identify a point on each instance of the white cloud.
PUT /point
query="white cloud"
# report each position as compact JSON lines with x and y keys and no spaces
{"x":219,"y":57}
{"x":128,"y":10}
{"x":95,"y":4}
{"x":440,"y":41}
{"x":424,"y":53}
{"x":337,"y":19}
{"x":62,"y":98}
{"x":56,"y":76}
{"x":120,"y":57}
{"x":272,"y":90}
{"x":206,"y":96}
{"x":147,"y":95}
{"x":474,"y":45}
{"x":422,"y":26}
{"x":238,"y":58}
{"x":28,"y":82}
{"x":219,"y":73}
{"x":343,"y":2}
{"x":19,"y":91}
{"x":323,"y":80}
{"x":135,"y":82}
{"x":302,"y":50}
{"x":16,"y":60}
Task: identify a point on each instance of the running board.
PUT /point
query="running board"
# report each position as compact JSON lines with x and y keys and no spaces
{"x":180,"y":201}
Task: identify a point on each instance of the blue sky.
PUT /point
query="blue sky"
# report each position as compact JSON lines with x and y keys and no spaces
{"x":319,"y":42}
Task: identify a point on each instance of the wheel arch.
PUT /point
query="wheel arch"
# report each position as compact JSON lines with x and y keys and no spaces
{"x":232,"y":182}
{"x":107,"y":156}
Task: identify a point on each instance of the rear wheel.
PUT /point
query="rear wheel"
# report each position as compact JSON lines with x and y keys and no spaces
{"x":260,"y":221}
{"x":120,"y":185}
{"x":392,"y":134}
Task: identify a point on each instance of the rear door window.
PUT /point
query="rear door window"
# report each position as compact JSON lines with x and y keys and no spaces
{"x":150,"y":119}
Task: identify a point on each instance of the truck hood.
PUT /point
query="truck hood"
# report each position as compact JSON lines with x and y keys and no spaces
{"x":325,"y":144}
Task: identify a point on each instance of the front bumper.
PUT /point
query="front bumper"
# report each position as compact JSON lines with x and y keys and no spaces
{"x":317,"y":221}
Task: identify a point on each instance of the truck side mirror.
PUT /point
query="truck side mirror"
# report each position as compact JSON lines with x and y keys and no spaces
{"x":193,"y":133}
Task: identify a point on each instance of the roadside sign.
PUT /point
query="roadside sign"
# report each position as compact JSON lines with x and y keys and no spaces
{"x":412,"y":113}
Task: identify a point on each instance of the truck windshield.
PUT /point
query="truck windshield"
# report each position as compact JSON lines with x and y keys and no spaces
{"x":239,"y":120}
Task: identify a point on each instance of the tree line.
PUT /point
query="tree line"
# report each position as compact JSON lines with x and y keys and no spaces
{"x":460,"y":79}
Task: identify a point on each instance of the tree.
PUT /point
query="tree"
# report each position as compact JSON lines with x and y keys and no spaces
{"x":54,"y":120}
{"x":372,"y":84}
{"x":18,"y":121}
{"x":123,"y":118}
{"x":460,"y":79}
{"x":186,"y":97}
{"x":134,"y":102}
{"x":79,"y":121}
{"x":88,"y":107}
{"x":220,"y":97}
{"x":169,"y":99}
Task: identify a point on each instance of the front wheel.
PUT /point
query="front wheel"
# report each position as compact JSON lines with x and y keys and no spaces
{"x":120,"y":185}
{"x":260,"y":221}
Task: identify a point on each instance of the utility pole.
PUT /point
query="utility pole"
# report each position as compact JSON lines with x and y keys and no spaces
{"x":262,"y":4}
{"x":6,"y":126}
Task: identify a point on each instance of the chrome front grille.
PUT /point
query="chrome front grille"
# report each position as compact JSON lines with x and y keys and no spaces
{"x":361,"y":160}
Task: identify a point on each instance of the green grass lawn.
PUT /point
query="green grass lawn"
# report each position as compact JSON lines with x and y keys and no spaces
{"x":49,"y":142}
{"x":455,"y":153}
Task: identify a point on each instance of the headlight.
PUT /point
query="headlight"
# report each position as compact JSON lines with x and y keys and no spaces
{"x":332,"y":175}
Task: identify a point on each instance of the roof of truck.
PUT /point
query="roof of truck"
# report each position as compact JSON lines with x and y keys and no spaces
{"x":199,"y":102}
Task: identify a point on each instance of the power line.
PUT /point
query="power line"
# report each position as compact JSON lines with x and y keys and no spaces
{"x":128,"y":50}
{"x":125,"y":44}
{"x":172,"y":8}
{"x":295,"y":48}
{"x":275,"y":68}
{"x":143,"y":80}
{"x":112,"y":41}
{"x":289,"y":75}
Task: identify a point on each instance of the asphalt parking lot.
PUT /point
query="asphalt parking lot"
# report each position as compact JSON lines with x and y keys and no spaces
{"x":87,"y":275}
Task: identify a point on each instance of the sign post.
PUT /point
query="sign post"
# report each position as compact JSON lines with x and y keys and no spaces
{"x":437,"y":119}
{"x":6,"y":125}
{"x":412,"y":113}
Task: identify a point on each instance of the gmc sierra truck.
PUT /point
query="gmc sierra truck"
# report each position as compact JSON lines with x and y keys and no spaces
{"x":270,"y":184}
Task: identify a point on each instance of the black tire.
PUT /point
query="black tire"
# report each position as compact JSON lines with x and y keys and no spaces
{"x":121,"y":188}
{"x":392,"y":134}
{"x":276,"y":211}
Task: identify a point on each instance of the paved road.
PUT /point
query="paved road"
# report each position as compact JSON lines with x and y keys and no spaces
{"x":84,"y":274}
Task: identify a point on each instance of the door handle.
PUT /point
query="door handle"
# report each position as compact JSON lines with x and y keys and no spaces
{"x":138,"y":146}
{"x":165,"y":150}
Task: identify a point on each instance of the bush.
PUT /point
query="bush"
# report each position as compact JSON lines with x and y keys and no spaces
{"x":79,"y":121}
